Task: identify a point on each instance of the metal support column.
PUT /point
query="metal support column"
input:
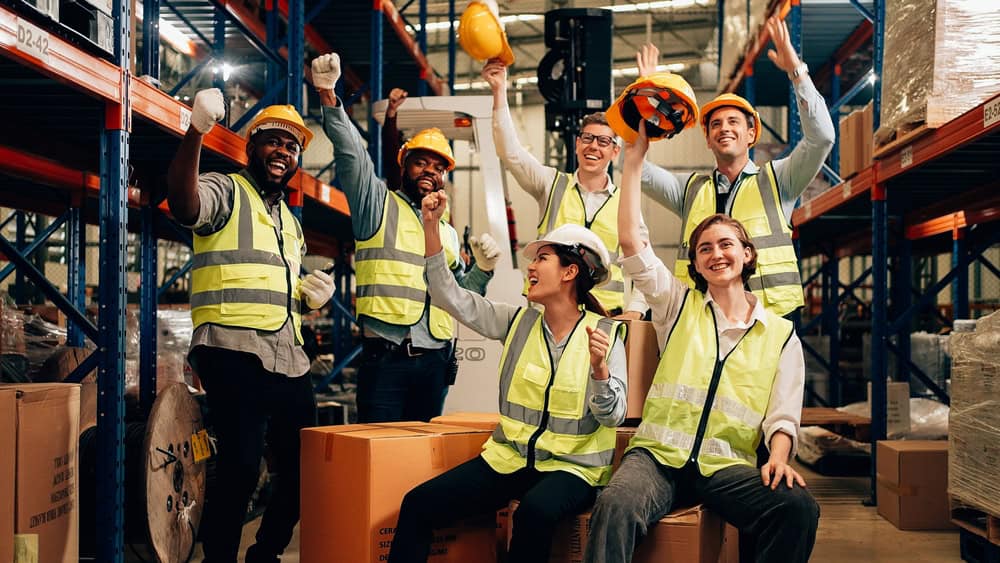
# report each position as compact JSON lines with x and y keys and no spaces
{"x":902,"y":299}
{"x":20,"y":289}
{"x":878,"y":47}
{"x":218,"y":51}
{"x":794,"y":21}
{"x":274,"y":72}
{"x":831,"y":322}
{"x":960,"y":285}
{"x":148,"y":292}
{"x":111,"y":318}
{"x":76,"y":270}
{"x":451,"y":48}
{"x":375,"y":82}
{"x":296,"y":52}
{"x":880,"y":277}
{"x":151,"y":38}
{"x":422,"y":43}
{"x":835,"y":115}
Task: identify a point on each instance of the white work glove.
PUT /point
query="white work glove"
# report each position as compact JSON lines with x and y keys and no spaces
{"x":209,"y":107}
{"x":317,"y":288}
{"x":326,"y":71}
{"x":486,"y":251}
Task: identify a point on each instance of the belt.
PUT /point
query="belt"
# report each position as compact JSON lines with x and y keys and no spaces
{"x":404,"y":348}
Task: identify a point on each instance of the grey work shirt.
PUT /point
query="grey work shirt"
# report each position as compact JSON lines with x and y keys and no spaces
{"x":278,"y":352}
{"x":793,"y":173}
{"x":366,"y":196}
{"x":492,"y":320}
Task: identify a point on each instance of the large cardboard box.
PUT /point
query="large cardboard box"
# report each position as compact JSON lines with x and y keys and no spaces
{"x":46,"y":484}
{"x":480,"y":420}
{"x":8,"y":445}
{"x":912,"y":484}
{"x":622,"y":436}
{"x":354,"y":478}
{"x":692,"y":535}
{"x":642,"y":355}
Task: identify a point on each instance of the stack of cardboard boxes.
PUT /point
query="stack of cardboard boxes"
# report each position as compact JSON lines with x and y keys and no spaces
{"x":355,"y":477}
{"x":856,"y":139}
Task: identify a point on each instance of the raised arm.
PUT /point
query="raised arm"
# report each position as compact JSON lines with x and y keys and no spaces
{"x":182,"y":176}
{"x":391,"y":140}
{"x":629,"y":208}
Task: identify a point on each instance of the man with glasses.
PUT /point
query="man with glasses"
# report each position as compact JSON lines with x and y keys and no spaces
{"x":587,"y":197}
{"x":246,"y":297}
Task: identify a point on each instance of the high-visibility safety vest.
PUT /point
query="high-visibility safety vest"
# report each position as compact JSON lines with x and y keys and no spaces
{"x":706,"y":409}
{"x":389,"y":269}
{"x":757,"y":205}
{"x":246,"y":274}
{"x":566,"y":205}
{"x":545,"y":421}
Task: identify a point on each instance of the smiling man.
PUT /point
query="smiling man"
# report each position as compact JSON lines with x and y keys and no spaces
{"x":761,"y":197}
{"x":587,"y":197}
{"x":404,"y":371}
{"x":246,"y":298}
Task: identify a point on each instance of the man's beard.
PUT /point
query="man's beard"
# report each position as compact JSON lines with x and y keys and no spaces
{"x":411,"y":188}
{"x":258,"y":169}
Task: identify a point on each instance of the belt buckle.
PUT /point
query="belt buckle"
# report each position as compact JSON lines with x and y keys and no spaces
{"x":409,"y":350}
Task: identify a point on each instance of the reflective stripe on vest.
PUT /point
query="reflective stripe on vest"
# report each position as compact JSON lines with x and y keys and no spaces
{"x":544,"y":415}
{"x":571,"y":209}
{"x":706,"y":408}
{"x":390,"y":267}
{"x":756,"y":204}
{"x":241,"y":276}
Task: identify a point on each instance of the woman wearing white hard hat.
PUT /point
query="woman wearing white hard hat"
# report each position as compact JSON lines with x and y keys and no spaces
{"x":730,"y":375}
{"x":562,"y":393}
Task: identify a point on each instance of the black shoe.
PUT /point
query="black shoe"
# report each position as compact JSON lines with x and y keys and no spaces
{"x":257,"y":555}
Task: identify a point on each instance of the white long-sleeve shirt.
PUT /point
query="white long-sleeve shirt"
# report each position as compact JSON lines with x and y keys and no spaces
{"x":537,"y":179}
{"x":492,"y":320}
{"x":665,"y":295}
{"x":793,"y":173}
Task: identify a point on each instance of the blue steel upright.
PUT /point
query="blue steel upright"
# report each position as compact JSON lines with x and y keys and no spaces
{"x":451,"y":48}
{"x":375,"y":87}
{"x":219,"y":51}
{"x":111,"y":317}
{"x":151,"y":38}
{"x":148,"y":292}
{"x":422,"y":43}
{"x":296,"y":52}
{"x":880,"y":233}
{"x":835,"y":117}
{"x":76,"y":270}
{"x":794,"y":21}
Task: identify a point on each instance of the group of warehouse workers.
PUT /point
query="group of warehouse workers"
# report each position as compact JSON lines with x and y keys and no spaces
{"x":731,"y":371}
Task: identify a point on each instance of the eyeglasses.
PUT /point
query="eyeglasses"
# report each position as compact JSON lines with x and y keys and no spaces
{"x":602,"y":140}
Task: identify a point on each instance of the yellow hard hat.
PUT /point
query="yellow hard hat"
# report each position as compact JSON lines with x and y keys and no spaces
{"x":283,"y":117}
{"x":665,"y":100}
{"x":734,"y":101}
{"x":481,"y":34}
{"x":429,"y":140}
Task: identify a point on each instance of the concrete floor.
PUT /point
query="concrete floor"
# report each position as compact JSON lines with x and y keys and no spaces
{"x":848,"y":530}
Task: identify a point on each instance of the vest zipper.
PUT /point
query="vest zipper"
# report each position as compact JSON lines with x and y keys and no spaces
{"x":713,"y":387}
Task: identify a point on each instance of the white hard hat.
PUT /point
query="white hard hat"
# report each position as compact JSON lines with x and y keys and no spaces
{"x":577,"y":237}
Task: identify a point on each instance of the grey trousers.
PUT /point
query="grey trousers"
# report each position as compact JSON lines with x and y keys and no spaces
{"x":642,"y":491}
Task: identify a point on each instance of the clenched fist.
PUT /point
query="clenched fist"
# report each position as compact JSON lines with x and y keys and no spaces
{"x":209,"y":107}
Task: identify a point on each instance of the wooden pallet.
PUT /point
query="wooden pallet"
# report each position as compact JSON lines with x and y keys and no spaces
{"x":847,"y":425}
{"x":902,"y":138}
{"x":977,"y":522}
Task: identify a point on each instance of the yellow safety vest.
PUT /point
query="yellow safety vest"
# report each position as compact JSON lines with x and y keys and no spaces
{"x":706,"y":408}
{"x":389,"y":269}
{"x":545,"y":421}
{"x":565,"y":206}
{"x":757,"y":205}
{"x":247,"y":273}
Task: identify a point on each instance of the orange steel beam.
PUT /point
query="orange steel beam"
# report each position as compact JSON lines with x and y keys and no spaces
{"x":833,"y":198}
{"x":857,"y":39}
{"x":396,"y":21}
{"x":953,"y":222}
{"x":64,"y":62}
{"x":23,"y":164}
{"x":756,"y":45}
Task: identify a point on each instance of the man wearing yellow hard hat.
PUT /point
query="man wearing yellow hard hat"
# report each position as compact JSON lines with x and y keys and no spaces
{"x":407,"y":342}
{"x":586,"y":197}
{"x":760,"y":197}
{"x":246,"y":297}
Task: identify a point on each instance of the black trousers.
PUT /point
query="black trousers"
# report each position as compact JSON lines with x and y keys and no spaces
{"x":474,"y":489}
{"x":246,"y":402}
{"x":395,"y":386}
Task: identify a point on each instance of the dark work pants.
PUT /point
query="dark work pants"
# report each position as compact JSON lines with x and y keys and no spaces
{"x":475,"y":489}
{"x":393,"y":386}
{"x":246,"y":401}
{"x":642,"y":491}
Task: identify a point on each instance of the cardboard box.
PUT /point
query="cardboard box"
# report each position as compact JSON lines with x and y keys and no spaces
{"x":480,"y":420}
{"x":622,"y":436}
{"x":642,"y":356}
{"x":692,"y":535}
{"x":354,"y":478}
{"x":912,"y":484}
{"x":730,"y":552}
{"x":46,"y":484}
{"x":8,"y":444}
